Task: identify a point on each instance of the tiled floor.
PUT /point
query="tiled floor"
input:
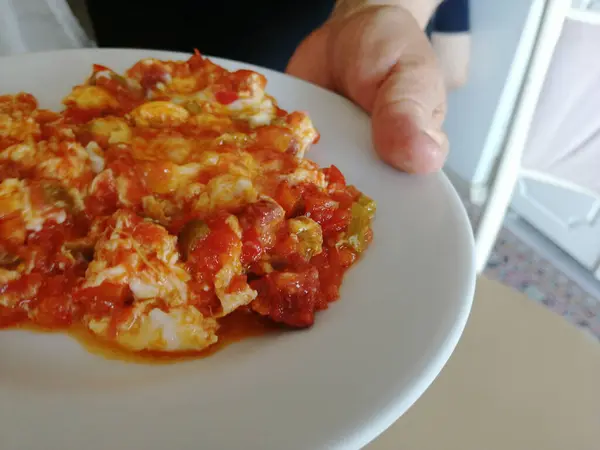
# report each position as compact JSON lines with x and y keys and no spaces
{"x":516,"y":264}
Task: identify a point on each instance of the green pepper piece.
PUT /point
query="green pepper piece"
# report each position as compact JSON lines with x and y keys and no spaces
{"x":363,"y":211}
{"x":192,"y":233}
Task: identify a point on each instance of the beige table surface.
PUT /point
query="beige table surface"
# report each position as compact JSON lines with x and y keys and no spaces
{"x":521,"y":378}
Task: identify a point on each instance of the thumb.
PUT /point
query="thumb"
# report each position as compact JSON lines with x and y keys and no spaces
{"x":409,"y":101}
{"x":382,"y":60}
{"x":310,"y":62}
{"x":407,"y":115}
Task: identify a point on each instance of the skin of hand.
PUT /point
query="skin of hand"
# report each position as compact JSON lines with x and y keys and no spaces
{"x":453,"y":51}
{"x":379,"y":57}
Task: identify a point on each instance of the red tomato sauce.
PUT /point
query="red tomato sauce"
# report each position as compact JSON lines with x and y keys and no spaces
{"x":52,"y":259}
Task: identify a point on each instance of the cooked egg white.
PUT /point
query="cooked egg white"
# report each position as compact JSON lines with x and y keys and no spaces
{"x":229,"y":191}
{"x":306,"y":172}
{"x":150,"y":271}
{"x":95,"y":156}
{"x":159,"y":114}
{"x":23,"y":153}
{"x":15,"y":197}
{"x":160,"y":318}
{"x":231,"y":268}
{"x":150,"y":328}
{"x":91,"y":97}
{"x":112,"y":130}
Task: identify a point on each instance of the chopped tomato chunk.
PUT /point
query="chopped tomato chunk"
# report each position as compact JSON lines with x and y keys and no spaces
{"x":288,"y":297}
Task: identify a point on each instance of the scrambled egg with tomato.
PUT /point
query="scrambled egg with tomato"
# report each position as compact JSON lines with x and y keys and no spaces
{"x":161,"y":200}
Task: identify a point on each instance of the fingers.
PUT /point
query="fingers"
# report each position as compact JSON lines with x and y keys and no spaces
{"x":380,"y":59}
{"x":310,"y":61}
{"x":407,"y":116}
{"x":408,"y":104}
{"x":402,"y":143}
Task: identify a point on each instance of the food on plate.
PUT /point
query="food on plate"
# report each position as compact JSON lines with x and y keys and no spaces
{"x":162,"y":200}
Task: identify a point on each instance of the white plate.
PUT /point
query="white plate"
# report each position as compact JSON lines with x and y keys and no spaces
{"x":337,"y":385}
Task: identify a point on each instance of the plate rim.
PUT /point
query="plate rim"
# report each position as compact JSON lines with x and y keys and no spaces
{"x":396,"y":406}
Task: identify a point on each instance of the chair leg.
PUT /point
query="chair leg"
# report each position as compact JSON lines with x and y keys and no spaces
{"x":494,"y":212}
{"x":507,"y":174}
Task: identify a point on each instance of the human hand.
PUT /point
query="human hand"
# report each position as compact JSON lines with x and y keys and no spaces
{"x":381,"y":59}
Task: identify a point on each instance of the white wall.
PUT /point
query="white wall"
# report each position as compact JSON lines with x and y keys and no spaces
{"x":503,"y":32}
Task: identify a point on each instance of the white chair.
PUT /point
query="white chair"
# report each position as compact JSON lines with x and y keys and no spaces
{"x":508,"y":170}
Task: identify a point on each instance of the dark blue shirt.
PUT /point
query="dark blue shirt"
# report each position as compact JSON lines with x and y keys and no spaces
{"x":263,"y":32}
{"x":452,"y":16}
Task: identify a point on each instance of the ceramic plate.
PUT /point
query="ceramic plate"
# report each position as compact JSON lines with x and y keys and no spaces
{"x":338,"y":385}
